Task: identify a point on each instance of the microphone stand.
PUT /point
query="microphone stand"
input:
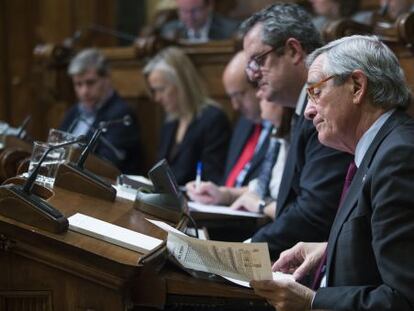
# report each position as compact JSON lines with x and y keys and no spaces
{"x":18,"y":201}
{"x":75,"y":177}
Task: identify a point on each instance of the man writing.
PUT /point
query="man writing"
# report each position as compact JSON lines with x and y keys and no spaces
{"x":357,"y":93}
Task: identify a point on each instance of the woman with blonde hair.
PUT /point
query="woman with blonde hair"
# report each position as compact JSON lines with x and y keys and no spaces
{"x":196,"y":129}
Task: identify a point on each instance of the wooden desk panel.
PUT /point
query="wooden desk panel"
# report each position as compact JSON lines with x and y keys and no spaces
{"x":72,"y":271}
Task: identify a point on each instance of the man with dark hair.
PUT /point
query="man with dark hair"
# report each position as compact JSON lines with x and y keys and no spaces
{"x":277,"y":41}
{"x":99,"y":102}
{"x":198,"y":23}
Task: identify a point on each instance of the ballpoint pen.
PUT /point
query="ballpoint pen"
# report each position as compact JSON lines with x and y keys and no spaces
{"x":198,"y":174}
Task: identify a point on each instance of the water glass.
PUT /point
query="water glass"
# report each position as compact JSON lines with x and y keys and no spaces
{"x":58,"y":137}
{"x":49,"y":166}
{"x":3,"y":132}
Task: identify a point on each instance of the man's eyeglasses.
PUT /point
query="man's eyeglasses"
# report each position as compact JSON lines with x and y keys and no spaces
{"x":314,"y":90}
{"x":256,"y":62}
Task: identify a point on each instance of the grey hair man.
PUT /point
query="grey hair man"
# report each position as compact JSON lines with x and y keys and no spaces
{"x":97,"y":102}
{"x":276,"y":42}
{"x":357,"y":96}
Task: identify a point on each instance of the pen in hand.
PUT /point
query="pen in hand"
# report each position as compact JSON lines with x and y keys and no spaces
{"x":198,"y":174}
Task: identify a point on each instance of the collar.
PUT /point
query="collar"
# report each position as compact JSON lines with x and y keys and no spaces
{"x":301,"y":101}
{"x":203,"y":32}
{"x":87,"y":112}
{"x":366,"y":139}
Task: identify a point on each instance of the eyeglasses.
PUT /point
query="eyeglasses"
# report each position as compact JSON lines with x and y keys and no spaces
{"x":254,"y":64}
{"x":314,"y":90}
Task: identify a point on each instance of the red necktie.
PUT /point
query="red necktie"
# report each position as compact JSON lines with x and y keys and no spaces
{"x":352,"y":168}
{"x":245,"y":157}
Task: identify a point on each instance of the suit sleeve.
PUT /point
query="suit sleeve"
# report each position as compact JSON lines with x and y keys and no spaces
{"x":389,"y":190}
{"x":313,"y":200}
{"x":216,"y":139}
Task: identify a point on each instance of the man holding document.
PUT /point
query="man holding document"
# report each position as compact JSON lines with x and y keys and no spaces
{"x":357,"y":95}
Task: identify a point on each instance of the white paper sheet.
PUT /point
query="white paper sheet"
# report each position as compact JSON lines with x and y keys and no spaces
{"x":114,"y":234}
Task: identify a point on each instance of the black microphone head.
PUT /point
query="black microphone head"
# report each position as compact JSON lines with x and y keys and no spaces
{"x":82,"y":139}
{"x":102,"y":124}
{"x":127,"y":120}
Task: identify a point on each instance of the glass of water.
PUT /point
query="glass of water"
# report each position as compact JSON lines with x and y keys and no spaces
{"x":48,"y":168}
{"x":58,"y":137}
{"x":3,"y":132}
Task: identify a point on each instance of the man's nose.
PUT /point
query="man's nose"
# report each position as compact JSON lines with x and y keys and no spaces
{"x":310,"y":110}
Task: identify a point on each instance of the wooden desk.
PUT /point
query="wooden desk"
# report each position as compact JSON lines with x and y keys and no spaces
{"x":71,"y":271}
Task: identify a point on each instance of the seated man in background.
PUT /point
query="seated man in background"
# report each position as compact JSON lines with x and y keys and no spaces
{"x":391,"y":9}
{"x":368,"y":257}
{"x":249,"y":140}
{"x":249,"y":147}
{"x":198,"y":23}
{"x":99,"y":102}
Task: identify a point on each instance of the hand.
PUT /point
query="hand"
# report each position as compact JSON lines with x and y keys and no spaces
{"x":206,"y":193}
{"x":301,"y":259}
{"x":248,"y":201}
{"x":284,"y":295}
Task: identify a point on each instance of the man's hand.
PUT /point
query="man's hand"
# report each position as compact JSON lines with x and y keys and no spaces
{"x":301,"y":259}
{"x":247,"y":201}
{"x":284,"y":295}
{"x":206,"y":193}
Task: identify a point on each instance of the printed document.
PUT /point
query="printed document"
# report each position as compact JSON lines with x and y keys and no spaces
{"x":240,"y":261}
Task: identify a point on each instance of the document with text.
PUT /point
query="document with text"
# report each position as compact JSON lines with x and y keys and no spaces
{"x":240,"y":261}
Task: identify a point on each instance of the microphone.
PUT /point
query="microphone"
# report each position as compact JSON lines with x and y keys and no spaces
{"x":126,"y":120}
{"x":29,"y":208}
{"x":384,"y":9}
{"x":27,"y":187}
{"x":21,"y":133}
{"x":111,"y":32}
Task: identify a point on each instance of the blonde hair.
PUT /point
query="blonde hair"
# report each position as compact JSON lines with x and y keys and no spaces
{"x":179,"y":70}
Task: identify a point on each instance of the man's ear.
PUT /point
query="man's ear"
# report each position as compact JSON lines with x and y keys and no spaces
{"x":360,"y":86}
{"x":294,"y":50}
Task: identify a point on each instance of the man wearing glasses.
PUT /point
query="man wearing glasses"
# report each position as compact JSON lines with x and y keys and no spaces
{"x":198,"y":23}
{"x":277,"y":41}
{"x":358,"y":94}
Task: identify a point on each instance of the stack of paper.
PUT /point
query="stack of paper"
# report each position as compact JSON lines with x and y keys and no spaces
{"x":113,"y":234}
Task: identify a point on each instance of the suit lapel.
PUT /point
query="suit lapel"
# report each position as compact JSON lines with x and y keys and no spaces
{"x":290,"y":167}
{"x":351,"y":199}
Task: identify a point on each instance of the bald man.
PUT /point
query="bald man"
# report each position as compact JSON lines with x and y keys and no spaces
{"x":249,"y":141}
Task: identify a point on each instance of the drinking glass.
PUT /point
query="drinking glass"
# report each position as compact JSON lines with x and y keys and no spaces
{"x":49,"y":166}
{"x":58,"y":137}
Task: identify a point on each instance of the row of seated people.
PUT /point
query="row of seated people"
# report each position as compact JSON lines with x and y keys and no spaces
{"x":342,"y":108}
{"x":196,"y":20}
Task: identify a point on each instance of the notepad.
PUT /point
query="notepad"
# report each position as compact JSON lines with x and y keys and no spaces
{"x":221,"y":210}
{"x":114,"y":234}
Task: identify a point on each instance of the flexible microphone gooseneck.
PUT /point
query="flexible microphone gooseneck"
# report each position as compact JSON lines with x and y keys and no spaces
{"x":126,"y":120}
{"x":27,"y":187}
{"x":21,"y":133}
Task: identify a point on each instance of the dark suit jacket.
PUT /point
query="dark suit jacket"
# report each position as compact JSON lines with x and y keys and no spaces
{"x":220,"y":28}
{"x":206,"y":140}
{"x":370,"y":262}
{"x":125,"y":139}
{"x":240,"y":136}
{"x":309,"y":192}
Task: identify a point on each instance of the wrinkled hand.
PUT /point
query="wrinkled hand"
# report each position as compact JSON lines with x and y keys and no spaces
{"x":301,"y":259}
{"x":206,"y":193}
{"x":284,"y":295}
{"x":248,"y":201}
